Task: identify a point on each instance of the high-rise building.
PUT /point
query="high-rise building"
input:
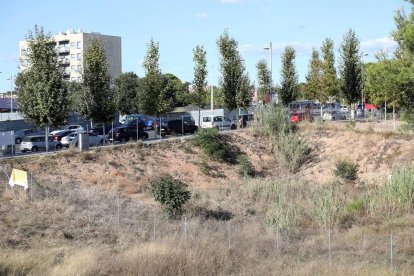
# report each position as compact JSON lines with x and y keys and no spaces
{"x":72,"y":46}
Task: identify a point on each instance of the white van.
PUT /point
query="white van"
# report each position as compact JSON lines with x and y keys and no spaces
{"x":219,"y":122}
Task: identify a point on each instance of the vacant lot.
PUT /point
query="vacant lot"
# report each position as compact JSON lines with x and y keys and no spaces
{"x":92,"y":213}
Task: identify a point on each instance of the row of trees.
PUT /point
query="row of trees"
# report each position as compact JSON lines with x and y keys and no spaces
{"x":45,"y":99}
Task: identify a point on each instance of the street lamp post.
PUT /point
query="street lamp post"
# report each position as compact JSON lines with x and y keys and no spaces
{"x":363,"y":84}
{"x":271,"y":72}
{"x":11,"y":93}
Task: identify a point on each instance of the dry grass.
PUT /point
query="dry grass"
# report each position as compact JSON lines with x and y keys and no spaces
{"x":70,"y":227}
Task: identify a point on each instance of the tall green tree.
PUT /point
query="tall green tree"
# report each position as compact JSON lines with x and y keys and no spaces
{"x":96,"y":101}
{"x":175,"y":91}
{"x":245,"y":92}
{"x":200,"y":78}
{"x":329,"y":81}
{"x":232,"y":69}
{"x":350,"y":68}
{"x":153,"y":97}
{"x":126,"y":93}
{"x":43,"y":95}
{"x":312,"y":87}
{"x":289,"y":78}
{"x":263,"y":79}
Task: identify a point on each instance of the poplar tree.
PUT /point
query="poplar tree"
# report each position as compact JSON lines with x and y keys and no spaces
{"x":350,"y":69}
{"x":263,"y":78}
{"x":329,"y":82}
{"x":200,"y":75}
{"x":312,"y":87}
{"x":97,"y":98}
{"x":289,"y":78}
{"x":153,"y":94}
{"x":42,"y":93}
{"x":232,"y":69}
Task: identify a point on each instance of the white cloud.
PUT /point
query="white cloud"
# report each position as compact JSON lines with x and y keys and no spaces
{"x":375,"y":45}
{"x":201,"y":15}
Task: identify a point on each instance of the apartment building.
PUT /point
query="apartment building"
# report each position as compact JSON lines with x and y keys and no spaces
{"x":72,"y":45}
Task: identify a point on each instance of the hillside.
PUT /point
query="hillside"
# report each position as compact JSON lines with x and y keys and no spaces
{"x":91,"y":207}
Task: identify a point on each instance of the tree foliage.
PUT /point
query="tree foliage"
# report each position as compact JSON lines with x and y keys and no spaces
{"x":329,"y":82}
{"x":175,"y":91}
{"x":289,"y":77}
{"x":153,"y":96}
{"x":312,"y":87}
{"x":43,"y":95}
{"x":96,"y":101}
{"x":232,"y":69}
{"x":350,"y":69}
{"x":126,"y":93}
{"x":263,"y":78}
{"x":245,"y":92}
{"x":200,"y":77}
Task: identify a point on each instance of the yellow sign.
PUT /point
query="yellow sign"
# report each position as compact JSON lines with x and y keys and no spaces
{"x":19,"y":177}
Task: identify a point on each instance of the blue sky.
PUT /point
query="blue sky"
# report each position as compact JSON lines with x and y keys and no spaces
{"x":180,"y":25}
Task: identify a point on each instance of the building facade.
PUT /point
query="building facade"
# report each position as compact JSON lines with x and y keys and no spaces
{"x":72,"y":46}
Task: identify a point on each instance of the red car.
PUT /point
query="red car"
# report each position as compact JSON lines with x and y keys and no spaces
{"x":296,"y":117}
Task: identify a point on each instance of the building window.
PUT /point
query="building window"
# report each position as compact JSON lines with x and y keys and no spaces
{"x":72,"y":56}
{"x":79,"y":44}
{"x":73,"y":67}
{"x":79,"y":56}
{"x":72,"y":45}
{"x":79,"y":68}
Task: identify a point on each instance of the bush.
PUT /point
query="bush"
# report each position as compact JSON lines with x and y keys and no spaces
{"x":399,"y":190}
{"x":328,"y":207}
{"x":171,"y":193}
{"x":293,"y":151}
{"x":273,"y":120}
{"x":245,"y":166}
{"x":209,"y":141}
{"x":346,"y":170}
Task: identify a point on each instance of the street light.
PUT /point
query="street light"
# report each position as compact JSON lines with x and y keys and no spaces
{"x":271,"y":63}
{"x":11,"y":93}
{"x":363,"y":84}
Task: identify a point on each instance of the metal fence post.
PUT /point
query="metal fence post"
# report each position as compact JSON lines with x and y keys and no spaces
{"x":329,"y":248}
{"x":229,"y":233}
{"x":391,"y":252}
{"x":153,"y":225}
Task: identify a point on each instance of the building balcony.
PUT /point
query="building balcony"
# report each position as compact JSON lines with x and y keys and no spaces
{"x":64,"y":50}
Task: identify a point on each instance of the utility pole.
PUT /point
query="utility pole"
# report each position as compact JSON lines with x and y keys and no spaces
{"x":271,"y":70}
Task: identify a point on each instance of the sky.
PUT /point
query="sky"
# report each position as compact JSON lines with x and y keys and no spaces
{"x":180,"y":25}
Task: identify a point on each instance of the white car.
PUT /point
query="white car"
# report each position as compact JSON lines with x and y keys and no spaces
{"x":219,"y":122}
{"x":333,"y":115}
{"x":67,"y":139}
{"x":77,"y":128}
{"x":94,"y":140}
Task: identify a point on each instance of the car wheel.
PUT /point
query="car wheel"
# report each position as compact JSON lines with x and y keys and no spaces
{"x":34,"y":149}
{"x":218,"y":128}
{"x":101,"y":142}
{"x":123,"y":140}
{"x":233,"y":127}
{"x":23,"y":151}
{"x":18,"y":141}
{"x":145,"y":137}
{"x":58,"y":147}
{"x":76,"y":144}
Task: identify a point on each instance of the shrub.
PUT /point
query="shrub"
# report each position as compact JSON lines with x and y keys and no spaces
{"x":399,"y":190}
{"x":293,"y":150}
{"x":346,"y":170}
{"x":171,"y":193}
{"x":245,"y":166}
{"x":209,"y":141}
{"x":327,"y":207}
{"x":273,"y":120}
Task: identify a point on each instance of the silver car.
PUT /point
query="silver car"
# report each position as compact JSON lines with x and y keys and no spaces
{"x":38,"y":142}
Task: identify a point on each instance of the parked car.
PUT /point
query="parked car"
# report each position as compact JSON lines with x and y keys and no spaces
{"x":99,"y":129}
{"x":77,"y":128}
{"x":219,"y":122}
{"x":68,"y":138}
{"x":333,"y":115}
{"x":177,"y":126}
{"x":126,"y":133}
{"x":244,"y":119}
{"x":60,"y":134}
{"x":38,"y":142}
{"x":133,"y":123}
{"x":20,"y":134}
{"x":296,"y":117}
{"x":94,"y":139}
